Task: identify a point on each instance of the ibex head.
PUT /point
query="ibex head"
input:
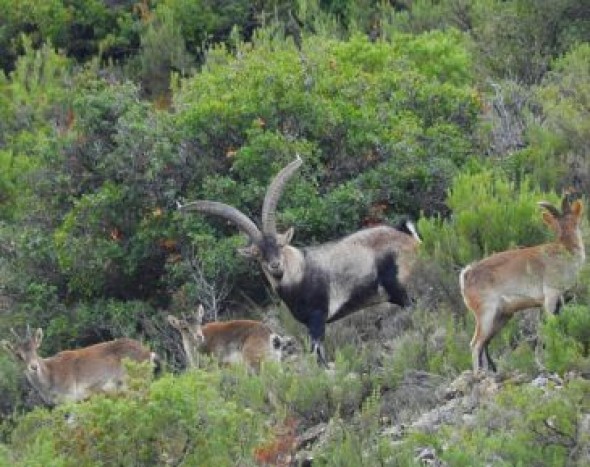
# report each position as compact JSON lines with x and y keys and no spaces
{"x":563,"y":223}
{"x":266,"y":244}
{"x":193,"y":330}
{"x":25,"y":350}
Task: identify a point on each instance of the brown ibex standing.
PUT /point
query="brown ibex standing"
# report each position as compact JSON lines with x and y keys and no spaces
{"x":74,"y":375}
{"x":500,"y":285}
{"x":327,"y":282}
{"x":236,"y":341}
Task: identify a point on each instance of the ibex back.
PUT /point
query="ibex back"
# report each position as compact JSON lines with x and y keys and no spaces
{"x":237,"y":341}
{"x":500,"y":285}
{"x":74,"y":375}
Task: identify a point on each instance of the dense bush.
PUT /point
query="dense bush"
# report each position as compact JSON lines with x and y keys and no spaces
{"x":463,"y":113}
{"x":566,"y":340}
{"x":204,"y":416}
{"x":9,"y":387}
{"x":514,"y":429}
{"x":558,"y":151}
{"x":489,"y":214}
{"x":175,"y":418}
{"x":78,"y":27}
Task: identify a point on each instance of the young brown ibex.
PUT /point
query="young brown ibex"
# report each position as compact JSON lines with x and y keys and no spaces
{"x":236,"y":341}
{"x":324,"y":283}
{"x":504,"y":283}
{"x":75,"y":375}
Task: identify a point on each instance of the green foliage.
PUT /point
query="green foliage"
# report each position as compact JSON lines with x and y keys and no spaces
{"x":162,"y":50}
{"x":455,"y":355}
{"x":351,"y":446}
{"x":312,"y":394}
{"x":12,"y":188}
{"x":36,"y":89}
{"x":4,"y":455}
{"x":175,"y":418}
{"x":334,"y":115}
{"x":34,"y":102}
{"x":113,"y":186}
{"x":525,"y":426}
{"x":490,"y":214}
{"x":9,"y":385}
{"x":436,"y":342}
{"x":75,"y":26}
{"x":361,"y":441}
{"x":204,"y":21}
{"x":48,"y":20}
{"x":558,"y":146}
{"x":566,"y":340}
{"x":91,"y":245}
{"x":521,"y":37}
{"x":97,"y":319}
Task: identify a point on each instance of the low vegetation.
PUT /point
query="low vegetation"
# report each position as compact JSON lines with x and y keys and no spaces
{"x":113,"y":112}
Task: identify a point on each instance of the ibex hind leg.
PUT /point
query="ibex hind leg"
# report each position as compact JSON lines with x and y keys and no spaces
{"x":500,"y":319}
{"x":477,"y":347}
{"x":484,"y":331}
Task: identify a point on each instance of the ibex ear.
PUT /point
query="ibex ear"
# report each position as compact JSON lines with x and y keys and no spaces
{"x":550,"y":221}
{"x":38,"y":337}
{"x":577,"y":208}
{"x":285,"y":239}
{"x":250,"y":251}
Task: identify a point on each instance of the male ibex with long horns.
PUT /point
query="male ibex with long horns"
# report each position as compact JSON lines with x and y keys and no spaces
{"x":504,"y":283}
{"x":75,"y":375}
{"x":324,"y":283}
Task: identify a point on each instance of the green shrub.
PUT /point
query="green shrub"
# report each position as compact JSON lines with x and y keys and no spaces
{"x":454,"y":355}
{"x":558,"y":142}
{"x":519,"y":38}
{"x":522,"y":425}
{"x":162,"y":52}
{"x":566,"y":340}
{"x":80,"y":28}
{"x":175,"y":418}
{"x":357,"y":441}
{"x":4,"y":455}
{"x":514,"y":431}
{"x":490,"y":214}
{"x":11,"y":376}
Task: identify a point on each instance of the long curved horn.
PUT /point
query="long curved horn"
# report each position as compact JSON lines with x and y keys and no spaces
{"x":228,"y":212}
{"x":552,"y":209}
{"x":274,"y":192}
